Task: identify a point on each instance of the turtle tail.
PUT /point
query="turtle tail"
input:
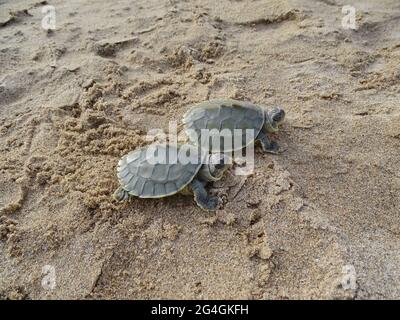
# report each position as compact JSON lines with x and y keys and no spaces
{"x":121,"y":194}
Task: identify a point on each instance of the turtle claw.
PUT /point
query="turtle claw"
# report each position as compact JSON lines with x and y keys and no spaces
{"x":202,"y":198}
{"x":272,"y":148}
{"x":267,"y":145}
{"x":211,"y":204}
{"x":121,"y":195}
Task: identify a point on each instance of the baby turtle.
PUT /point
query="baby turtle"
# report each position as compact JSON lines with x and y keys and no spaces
{"x":161,"y":170}
{"x":226,"y":115}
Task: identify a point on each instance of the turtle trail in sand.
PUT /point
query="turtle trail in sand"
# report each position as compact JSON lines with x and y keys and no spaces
{"x":235,"y":118}
{"x":158,"y":171}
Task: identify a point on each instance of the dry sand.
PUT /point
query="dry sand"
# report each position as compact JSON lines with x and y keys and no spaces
{"x":74,"y":100}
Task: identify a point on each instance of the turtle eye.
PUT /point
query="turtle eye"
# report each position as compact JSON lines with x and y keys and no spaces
{"x":278,"y":115}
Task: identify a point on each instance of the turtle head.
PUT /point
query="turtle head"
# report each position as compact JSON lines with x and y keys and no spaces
{"x":215,"y":167}
{"x":274,"y":118}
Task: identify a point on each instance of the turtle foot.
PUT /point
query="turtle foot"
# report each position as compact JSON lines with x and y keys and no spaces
{"x":121,"y":195}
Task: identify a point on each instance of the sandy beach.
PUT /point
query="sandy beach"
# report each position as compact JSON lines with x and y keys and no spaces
{"x":320,"y":220}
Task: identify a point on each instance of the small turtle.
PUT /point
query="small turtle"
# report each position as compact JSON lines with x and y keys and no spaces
{"x":232,"y":114}
{"x":161,"y":170}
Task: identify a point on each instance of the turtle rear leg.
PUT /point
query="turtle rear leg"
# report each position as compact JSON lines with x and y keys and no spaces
{"x":266,"y":144}
{"x":202,"y":198}
{"x":121,"y":194}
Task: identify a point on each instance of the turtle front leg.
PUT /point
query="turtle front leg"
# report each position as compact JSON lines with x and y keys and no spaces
{"x":121,"y":194}
{"x":266,"y":144}
{"x":202,"y":198}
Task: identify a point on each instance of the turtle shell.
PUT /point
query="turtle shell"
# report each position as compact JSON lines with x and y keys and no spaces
{"x":220,"y":115}
{"x":157,"y":171}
